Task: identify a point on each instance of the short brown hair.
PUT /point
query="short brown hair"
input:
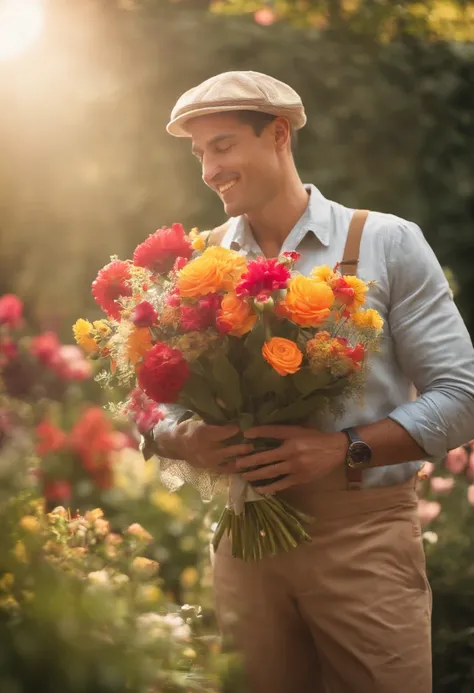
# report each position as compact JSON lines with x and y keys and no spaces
{"x":259,"y":121}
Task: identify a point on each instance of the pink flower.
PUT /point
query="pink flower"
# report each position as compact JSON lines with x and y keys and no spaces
{"x":428,"y":510}
{"x":263,"y":275}
{"x":456,"y":461}
{"x":200,"y":315}
{"x":143,"y":411}
{"x":45,"y":347}
{"x":265,"y":17}
{"x":11,"y":311}
{"x":70,"y":364}
{"x":441,"y":484}
{"x":470,"y":494}
{"x":179,"y":263}
{"x":144,"y":315}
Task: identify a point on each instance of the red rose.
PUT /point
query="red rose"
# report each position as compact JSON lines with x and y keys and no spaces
{"x":163,"y":373}
{"x":110,"y":285}
{"x":144,"y":315}
{"x":57,"y":490}
{"x":45,"y":347}
{"x":160,"y":250}
{"x":11,"y":311}
{"x":263,"y":275}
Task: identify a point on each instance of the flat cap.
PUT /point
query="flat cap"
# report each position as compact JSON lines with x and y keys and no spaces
{"x":237,"y":91}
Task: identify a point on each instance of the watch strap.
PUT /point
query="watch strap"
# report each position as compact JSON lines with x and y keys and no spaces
{"x":354,"y":476}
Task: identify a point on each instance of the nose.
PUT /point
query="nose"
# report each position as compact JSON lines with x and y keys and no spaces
{"x":210,"y":169}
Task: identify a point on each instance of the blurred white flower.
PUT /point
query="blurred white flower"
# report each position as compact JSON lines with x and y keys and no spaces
{"x":99,"y":577}
{"x":430,"y":537}
{"x":153,"y":626}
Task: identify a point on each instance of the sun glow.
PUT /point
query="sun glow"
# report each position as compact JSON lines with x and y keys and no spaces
{"x":21,"y":22}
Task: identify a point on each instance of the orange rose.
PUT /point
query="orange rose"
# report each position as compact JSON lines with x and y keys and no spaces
{"x":217,"y":269}
{"x":308,"y":301}
{"x":235,"y":316}
{"x":283,"y":355}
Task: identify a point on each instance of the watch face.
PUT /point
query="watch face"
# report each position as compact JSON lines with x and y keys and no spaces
{"x":359,"y":454}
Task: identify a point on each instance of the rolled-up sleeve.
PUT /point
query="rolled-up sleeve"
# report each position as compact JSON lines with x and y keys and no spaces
{"x":432,"y":345}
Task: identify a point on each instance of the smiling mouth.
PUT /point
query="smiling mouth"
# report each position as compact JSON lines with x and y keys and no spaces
{"x":222,"y":189}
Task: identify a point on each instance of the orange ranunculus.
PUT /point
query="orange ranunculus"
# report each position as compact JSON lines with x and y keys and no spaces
{"x":308,"y":301}
{"x":139,"y":342}
{"x":369,"y":319}
{"x":217,"y":269}
{"x":235,"y":316}
{"x":283,"y":355}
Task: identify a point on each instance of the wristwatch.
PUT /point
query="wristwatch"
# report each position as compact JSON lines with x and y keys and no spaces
{"x":359,"y":454}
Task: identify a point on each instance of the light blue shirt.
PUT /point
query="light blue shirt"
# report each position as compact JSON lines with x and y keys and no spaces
{"x":425,"y":341}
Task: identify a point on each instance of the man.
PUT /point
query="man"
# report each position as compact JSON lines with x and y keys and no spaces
{"x":349,"y":612}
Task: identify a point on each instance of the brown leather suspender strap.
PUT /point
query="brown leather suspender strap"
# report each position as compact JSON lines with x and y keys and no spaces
{"x":350,"y":261}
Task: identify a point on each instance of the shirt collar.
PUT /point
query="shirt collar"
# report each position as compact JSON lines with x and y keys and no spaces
{"x":316,"y":219}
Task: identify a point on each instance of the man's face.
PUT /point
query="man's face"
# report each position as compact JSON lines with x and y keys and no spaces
{"x":242,"y":168}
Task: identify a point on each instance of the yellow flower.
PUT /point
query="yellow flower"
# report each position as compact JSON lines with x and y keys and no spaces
{"x":139,"y":532}
{"x":20,"y":551}
{"x":93,"y":515}
{"x":369,"y":318}
{"x":149,"y":594}
{"x":189,"y":576}
{"x":308,"y":301}
{"x":145,"y":566}
{"x":6,"y":581}
{"x":82,"y":334}
{"x":217,"y":269}
{"x":360,"y":290}
{"x":197,"y":240}
{"x":323,"y":273}
{"x":102,"y":327}
{"x":169,"y":503}
{"x":139,"y":342}
{"x":30,"y":523}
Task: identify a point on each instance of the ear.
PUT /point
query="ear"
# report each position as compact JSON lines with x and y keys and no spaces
{"x":282,"y":133}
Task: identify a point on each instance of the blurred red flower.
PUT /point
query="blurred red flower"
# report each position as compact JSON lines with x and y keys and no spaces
{"x":11,"y":311}
{"x":110,"y":285}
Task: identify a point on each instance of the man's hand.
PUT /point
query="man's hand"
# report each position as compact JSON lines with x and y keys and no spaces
{"x":203,"y":446}
{"x":305,"y":454}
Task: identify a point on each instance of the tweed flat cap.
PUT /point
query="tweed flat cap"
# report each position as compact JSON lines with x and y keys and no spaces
{"x":237,"y":91}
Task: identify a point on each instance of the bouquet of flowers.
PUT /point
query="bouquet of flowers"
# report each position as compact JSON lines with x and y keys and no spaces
{"x":232,"y":339}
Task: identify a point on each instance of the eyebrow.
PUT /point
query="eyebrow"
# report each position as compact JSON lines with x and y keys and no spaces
{"x":214,"y":140}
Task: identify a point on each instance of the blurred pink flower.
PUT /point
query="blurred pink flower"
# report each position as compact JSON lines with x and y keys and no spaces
{"x":70,"y":363}
{"x":426,"y":471}
{"x":11,"y":310}
{"x":470,"y":494}
{"x":441,"y":484}
{"x":471,"y":465}
{"x":456,"y":461}
{"x":428,"y":510}
{"x":265,"y":17}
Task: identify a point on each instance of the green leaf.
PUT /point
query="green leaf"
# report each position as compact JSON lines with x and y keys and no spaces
{"x":307,"y":382}
{"x":256,"y":337}
{"x":226,"y":382}
{"x":296,"y":411}
{"x":197,"y":396}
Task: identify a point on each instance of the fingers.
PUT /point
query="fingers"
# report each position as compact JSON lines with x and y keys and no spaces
{"x":267,"y":472}
{"x":233,"y":451}
{"x":218,"y":433}
{"x":265,"y":457}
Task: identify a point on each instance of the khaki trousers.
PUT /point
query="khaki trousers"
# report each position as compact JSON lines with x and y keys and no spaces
{"x":348,"y":613}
